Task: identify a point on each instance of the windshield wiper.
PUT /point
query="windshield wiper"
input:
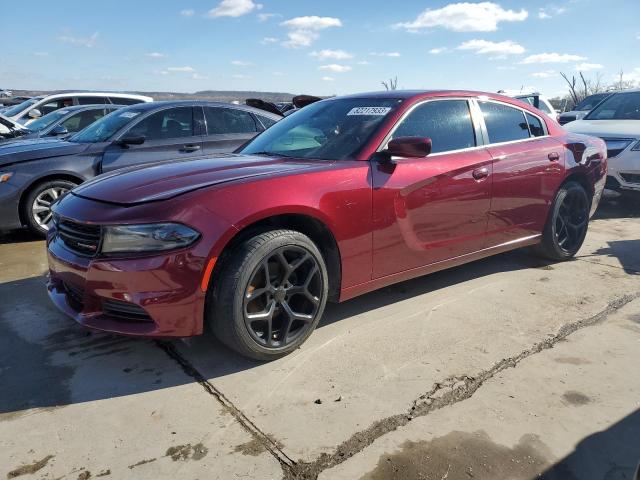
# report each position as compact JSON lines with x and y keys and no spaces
{"x":271,"y":154}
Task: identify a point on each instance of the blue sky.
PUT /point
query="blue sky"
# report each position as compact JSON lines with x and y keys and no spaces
{"x":318,"y":47}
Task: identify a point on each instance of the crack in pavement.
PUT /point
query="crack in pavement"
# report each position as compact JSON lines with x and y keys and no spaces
{"x":450,"y":391}
{"x":272,"y":447}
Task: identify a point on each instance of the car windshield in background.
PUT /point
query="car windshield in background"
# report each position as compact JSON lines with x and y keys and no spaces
{"x":16,"y":109}
{"x":47,"y":120}
{"x":619,"y":106}
{"x":327,"y":130}
{"x":103,"y":129}
{"x":590,"y":102}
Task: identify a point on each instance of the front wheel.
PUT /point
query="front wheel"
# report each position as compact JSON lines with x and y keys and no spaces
{"x":36,"y":208}
{"x":269,"y":294}
{"x":567,"y":224}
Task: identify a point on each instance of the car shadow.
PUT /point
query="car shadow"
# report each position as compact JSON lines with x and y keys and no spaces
{"x":47,"y":360}
{"x":611,"y":454}
{"x":618,"y":207}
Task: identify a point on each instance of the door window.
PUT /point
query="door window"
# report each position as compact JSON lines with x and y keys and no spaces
{"x":446,"y":122}
{"x":504,"y":123}
{"x":535,"y":126}
{"x":166,"y":124}
{"x":81,"y":120}
{"x":55,"y":105}
{"x":222,"y":121}
{"x":92,"y":100}
{"x":266,"y":121}
{"x":124,"y":101}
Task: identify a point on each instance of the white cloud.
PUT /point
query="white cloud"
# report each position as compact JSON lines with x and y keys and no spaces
{"x":465,"y":17}
{"x":241,"y":63}
{"x":328,"y":79}
{"x":550,"y":11}
{"x":385,"y":54}
{"x":41,"y":54}
{"x":187,"y":12}
{"x":545,"y":74}
{"x":240,"y":76}
{"x":633,"y":76}
{"x":334,"y":67}
{"x":197,"y":76}
{"x":363,"y":62}
{"x":438,"y":50}
{"x":268,"y":40}
{"x":507,"y":47}
{"x":80,"y":41}
{"x":303,"y":31}
{"x":585,"y":67}
{"x":156,"y":55}
{"x":263,"y":17}
{"x":181,"y":69}
{"x":552,"y":58}
{"x":334,"y":54}
{"x":233,"y":8}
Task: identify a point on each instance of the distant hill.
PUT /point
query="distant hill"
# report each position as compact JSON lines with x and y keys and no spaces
{"x":216,"y":95}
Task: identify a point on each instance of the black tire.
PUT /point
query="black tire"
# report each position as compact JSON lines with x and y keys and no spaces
{"x":234,"y":292}
{"x":567,"y":223}
{"x":27,"y":206}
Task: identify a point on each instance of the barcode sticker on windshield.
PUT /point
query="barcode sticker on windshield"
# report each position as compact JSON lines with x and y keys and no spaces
{"x":129,"y":114}
{"x":369,"y":111}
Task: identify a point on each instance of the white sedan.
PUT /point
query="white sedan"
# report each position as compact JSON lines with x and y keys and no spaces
{"x":617,"y":121}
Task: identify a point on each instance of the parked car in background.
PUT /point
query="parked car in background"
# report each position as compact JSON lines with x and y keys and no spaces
{"x":581,"y":109}
{"x":345,"y":196}
{"x":63,"y":122}
{"x":540,"y":102}
{"x":5,"y":93}
{"x":37,"y":107}
{"x":10,"y":129}
{"x":8,"y":102}
{"x":617,"y":121}
{"x":35,"y":173}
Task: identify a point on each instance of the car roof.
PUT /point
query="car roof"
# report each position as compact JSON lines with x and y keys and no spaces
{"x":419,"y":94}
{"x":145,"y":107}
{"x":75,"y":108}
{"x":85,"y":93}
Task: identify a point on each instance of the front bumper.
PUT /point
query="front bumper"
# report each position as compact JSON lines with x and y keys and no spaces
{"x":153,"y":296}
{"x":624,"y":170}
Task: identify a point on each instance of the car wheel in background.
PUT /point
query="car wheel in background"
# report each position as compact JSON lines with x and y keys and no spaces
{"x":269,"y":294}
{"x":36,"y":207}
{"x":567,"y":223}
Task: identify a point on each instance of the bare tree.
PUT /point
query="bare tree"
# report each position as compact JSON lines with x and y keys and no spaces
{"x":572,"y":87}
{"x":392,"y":84}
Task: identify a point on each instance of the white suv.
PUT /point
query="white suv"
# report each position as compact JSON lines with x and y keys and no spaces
{"x":617,"y":121}
{"x":37,"y":107}
{"x":534,"y":98}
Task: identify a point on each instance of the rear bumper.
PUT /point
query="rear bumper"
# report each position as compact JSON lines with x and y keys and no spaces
{"x":155,"y":296}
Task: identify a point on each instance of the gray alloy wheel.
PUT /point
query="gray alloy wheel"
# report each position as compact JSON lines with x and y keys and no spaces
{"x":36,"y":206}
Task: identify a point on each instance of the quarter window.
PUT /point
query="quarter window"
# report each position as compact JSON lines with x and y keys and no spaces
{"x":504,"y":123}
{"x":266,"y":121}
{"x":446,"y":122}
{"x":222,"y":121}
{"x":55,"y":105}
{"x":166,"y":124}
{"x":535,"y":126}
{"x":81,"y":120}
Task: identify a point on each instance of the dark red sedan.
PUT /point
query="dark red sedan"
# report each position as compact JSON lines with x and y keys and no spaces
{"x":343,"y":197}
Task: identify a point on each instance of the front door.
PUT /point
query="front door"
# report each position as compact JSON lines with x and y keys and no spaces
{"x":435,"y":208}
{"x":169,"y":135}
{"x":228,"y":128}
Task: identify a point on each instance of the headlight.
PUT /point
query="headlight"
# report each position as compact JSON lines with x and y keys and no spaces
{"x":616,"y":145}
{"x":154,"y":237}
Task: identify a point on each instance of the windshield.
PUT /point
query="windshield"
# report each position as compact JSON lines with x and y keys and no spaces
{"x":590,"y":102}
{"x":47,"y":120}
{"x":103,"y":129}
{"x":328,"y":130}
{"x":619,"y":106}
{"x":16,"y":109}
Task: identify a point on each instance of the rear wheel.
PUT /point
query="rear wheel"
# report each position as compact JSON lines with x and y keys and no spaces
{"x":36,"y":207}
{"x":269,"y":294}
{"x":567,"y":224}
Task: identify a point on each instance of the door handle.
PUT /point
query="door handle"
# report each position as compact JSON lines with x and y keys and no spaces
{"x":190,"y":148}
{"x":554,"y":156}
{"x":480,"y":173}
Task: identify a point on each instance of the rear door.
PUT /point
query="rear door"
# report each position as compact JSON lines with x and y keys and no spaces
{"x":527,"y":171}
{"x":169,"y":134}
{"x":228,"y":128}
{"x":432,"y":209}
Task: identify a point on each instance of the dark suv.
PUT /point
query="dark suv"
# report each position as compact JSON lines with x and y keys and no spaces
{"x":35,"y":173}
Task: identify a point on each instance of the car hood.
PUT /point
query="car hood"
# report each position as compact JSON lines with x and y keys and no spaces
{"x":606,"y":128}
{"x":137,"y":185}
{"x":17,"y":151}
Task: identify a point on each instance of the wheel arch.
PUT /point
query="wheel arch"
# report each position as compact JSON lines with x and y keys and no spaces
{"x":50,"y":176}
{"x":311,"y":226}
{"x":582,"y":179}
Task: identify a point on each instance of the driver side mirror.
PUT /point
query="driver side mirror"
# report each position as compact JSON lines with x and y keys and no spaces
{"x":34,"y":113}
{"x":130,"y":140}
{"x":409,"y":147}
{"x":58,"y":130}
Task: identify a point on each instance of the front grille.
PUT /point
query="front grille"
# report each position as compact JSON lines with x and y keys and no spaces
{"x":81,"y":238}
{"x":631,"y":177}
{"x":125,"y":311}
{"x":75,"y":295}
